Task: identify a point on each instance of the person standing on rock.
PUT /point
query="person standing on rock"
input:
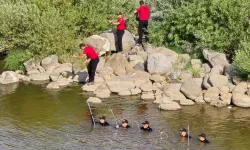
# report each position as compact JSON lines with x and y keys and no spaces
{"x":120,"y":27}
{"x":94,"y":60}
{"x":143,"y":12}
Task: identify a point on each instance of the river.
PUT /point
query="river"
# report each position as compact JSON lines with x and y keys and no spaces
{"x":33,"y":118}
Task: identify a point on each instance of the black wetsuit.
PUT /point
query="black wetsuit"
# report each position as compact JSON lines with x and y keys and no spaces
{"x":188,"y":136}
{"x":103,"y":124}
{"x":123,"y":127}
{"x":147,"y":129}
{"x":205,"y":141}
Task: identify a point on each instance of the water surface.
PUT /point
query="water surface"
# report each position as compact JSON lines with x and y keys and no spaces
{"x":32,"y":117}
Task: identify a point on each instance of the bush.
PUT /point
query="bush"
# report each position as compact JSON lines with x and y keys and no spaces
{"x":221,"y":25}
{"x":242,"y":59}
{"x":47,"y":27}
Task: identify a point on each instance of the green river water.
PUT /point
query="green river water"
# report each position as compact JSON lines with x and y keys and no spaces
{"x":33,"y":118}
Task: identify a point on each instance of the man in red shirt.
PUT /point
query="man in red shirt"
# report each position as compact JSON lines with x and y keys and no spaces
{"x":120,"y":27}
{"x":94,"y":60}
{"x":143,"y":12}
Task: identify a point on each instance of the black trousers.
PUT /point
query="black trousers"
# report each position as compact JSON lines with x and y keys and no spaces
{"x":143,"y":26}
{"x":119,"y":40}
{"x":92,"y":68}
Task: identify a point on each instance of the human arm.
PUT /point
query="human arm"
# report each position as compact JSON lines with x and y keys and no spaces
{"x":80,"y":57}
{"x":137,"y":10}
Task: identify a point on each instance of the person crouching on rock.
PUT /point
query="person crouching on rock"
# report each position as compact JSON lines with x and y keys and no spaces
{"x":103,"y":121}
{"x":124,"y":124}
{"x":94,"y":60}
{"x":146,"y":127}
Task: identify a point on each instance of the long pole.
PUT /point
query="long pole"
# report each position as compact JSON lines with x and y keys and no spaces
{"x":188,"y":135}
{"x":91,"y":114}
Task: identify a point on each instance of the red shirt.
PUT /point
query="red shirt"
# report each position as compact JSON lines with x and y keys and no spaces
{"x":90,"y":52}
{"x":121,"y":26}
{"x":143,"y":12}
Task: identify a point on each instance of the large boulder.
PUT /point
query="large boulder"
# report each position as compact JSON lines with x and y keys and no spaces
{"x":241,"y":100}
{"x":39,"y":76}
{"x":186,"y":102}
{"x":65,"y":67}
{"x":135,"y":91}
{"x":212,"y":94}
{"x":118,"y":62}
{"x":227,"y":98}
{"x":215,"y":58}
{"x":100,"y":44}
{"x":158,"y":63}
{"x":31,"y":66}
{"x":240,"y":88}
{"x":200,"y":98}
{"x":218,"y":103}
{"x":218,"y":80}
{"x":119,"y":84}
{"x":170,"y":54}
{"x":94,"y":100}
{"x":124,"y":93}
{"x":49,"y":62}
{"x":128,"y":41}
{"x":147,"y":87}
{"x":102,"y":91}
{"x":169,"y":106}
{"x":190,"y":89}
{"x":8,"y":77}
{"x":157,"y":78}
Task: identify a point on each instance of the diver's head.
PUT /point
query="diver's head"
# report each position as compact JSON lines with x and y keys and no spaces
{"x":145,"y":124}
{"x":183,"y":132}
{"x":102,"y":119}
{"x":124,"y":123}
{"x":202,"y":137}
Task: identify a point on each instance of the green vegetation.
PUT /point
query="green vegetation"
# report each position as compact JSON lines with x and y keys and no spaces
{"x":44,"y":27}
{"x":38,"y":28}
{"x":220,"y":25}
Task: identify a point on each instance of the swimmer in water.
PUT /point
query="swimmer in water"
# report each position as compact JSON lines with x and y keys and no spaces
{"x":124,"y":124}
{"x":103,"y":121}
{"x":146,"y":126}
{"x":202,"y":138}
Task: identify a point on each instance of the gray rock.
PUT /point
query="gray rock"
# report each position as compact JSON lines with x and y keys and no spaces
{"x":100,"y":44}
{"x":31,"y":66}
{"x":63,"y":82}
{"x":124,"y":93}
{"x":49,"y":62}
{"x":148,"y":96}
{"x":216,"y":70}
{"x":227,"y":97}
{"x":190,"y":89}
{"x":136,"y":58}
{"x":212,"y":94}
{"x":128,"y":41}
{"x":8,"y":77}
{"x":118,"y":62}
{"x":90,"y":88}
{"x":119,"y":84}
{"x":218,"y":80}
{"x":219,"y":103}
{"x":130,"y":68}
{"x":139,"y":67}
{"x":240,"y":88}
{"x":206,"y":68}
{"x":196,"y":63}
{"x":147,"y":87}
{"x":215,"y":58}
{"x":135,"y":91}
{"x":107,"y":70}
{"x":40,"y":76}
{"x":158,"y":63}
{"x":94,"y":100}
{"x":143,"y":55}
{"x":185,"y":75}
{"x":53,"y":85}
{"x":157,"y":78}
{"x":170,"y":106}
{"x":170,"y":54}
{"x":186,"y":102}
{"x":241,"y":100}
{"x":101,"y":63}
{"x":199,"y":81}
{"x":224,"y":90}
{"x":200,"y":98}
{"x":65,"y":67}
{"x":102,"y":91}
{"x":206,"y":83}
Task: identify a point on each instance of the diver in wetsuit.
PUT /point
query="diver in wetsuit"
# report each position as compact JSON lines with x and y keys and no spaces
{"x":124,"y":124}
{"x":202,"y":138}
{"x":103,"y":121}
{"x":183,"y":133}
{"x":146,"y":126}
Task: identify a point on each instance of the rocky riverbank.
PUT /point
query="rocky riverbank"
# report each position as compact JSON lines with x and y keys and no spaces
{"x":157,"y":74}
